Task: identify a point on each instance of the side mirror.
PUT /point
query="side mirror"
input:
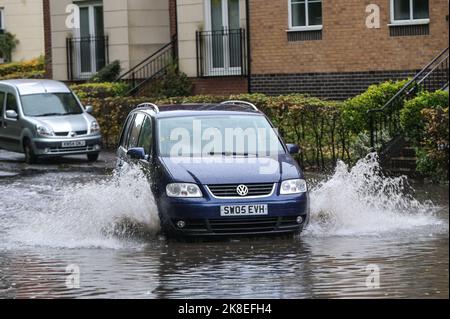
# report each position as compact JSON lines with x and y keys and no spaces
{"x":11,"y":114}
{"x":89,"y":109}
{"x":137,"y":153}
{"x":293,"y":149}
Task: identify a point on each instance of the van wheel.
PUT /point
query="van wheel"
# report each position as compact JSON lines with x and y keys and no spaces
{"x":30,"y":157}
{"x":93,"y":157}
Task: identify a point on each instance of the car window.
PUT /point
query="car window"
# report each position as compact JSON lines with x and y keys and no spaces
{"x":50,"y":104}
{"x":135,"y":130}
{"x":2,"y":102}
{"x":125,"y":134}
{"x":145,"y":139}
{"x":11,"y":103}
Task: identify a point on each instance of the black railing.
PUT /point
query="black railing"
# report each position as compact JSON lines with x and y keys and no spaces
{"x":384,"y":123}
{"x":86,"y":56}
{"x":221,"y":53}
{"x":151,"y":68}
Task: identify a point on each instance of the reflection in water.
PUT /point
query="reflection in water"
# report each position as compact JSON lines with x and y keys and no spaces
{"x":48,"y":224}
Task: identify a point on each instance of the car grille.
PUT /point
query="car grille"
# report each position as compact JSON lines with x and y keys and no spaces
{"x":230,"y":190}
{"x":240,"y":225}
{"x":67,"y":133}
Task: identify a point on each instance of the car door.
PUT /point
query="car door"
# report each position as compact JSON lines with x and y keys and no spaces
{"x":130,"y":138}
{"x":2,"y":107}
{"x":11,"y":127}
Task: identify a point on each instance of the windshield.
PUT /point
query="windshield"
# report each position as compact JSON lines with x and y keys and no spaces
{"x":223,"y":135}
{"x":50,"y":104}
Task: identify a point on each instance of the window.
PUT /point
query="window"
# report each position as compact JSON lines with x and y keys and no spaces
{"x":2,"y":19}
{"x":11,"y":103}
{"x":2,"y":103}
{"x":135,"y":131}
{"x":49,"y":104}
{"x":410,"y":12}
{"x":126,"y":130}
{"x":305,"y":14}
{"x":145,"y":139}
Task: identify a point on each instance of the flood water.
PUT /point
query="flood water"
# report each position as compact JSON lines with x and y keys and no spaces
{"x":106,"y":229}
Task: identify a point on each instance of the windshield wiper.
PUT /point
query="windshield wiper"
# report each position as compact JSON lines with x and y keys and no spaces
{"x":50,"y":114}
{"x":72,"y":113}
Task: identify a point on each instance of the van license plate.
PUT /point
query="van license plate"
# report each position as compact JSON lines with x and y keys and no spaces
{"x":244,"y":210}
{"x":74,"y":144}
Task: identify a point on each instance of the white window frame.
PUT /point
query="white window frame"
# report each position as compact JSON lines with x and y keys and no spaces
{"x":411,"y":20}
{"x":307,"y":27}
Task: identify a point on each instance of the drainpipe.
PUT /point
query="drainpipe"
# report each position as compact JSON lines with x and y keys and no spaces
{"x":249,"y":55}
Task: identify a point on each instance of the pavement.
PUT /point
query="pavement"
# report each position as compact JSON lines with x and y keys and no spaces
{"x":12,"y":164}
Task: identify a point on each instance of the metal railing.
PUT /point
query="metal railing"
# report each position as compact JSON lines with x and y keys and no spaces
{"x":86,"y":56}
{"x":384,"y":122}
{"x":221,"y":53}
{"x":151,"y":68}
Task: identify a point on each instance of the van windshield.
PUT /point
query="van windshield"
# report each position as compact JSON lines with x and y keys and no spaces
{"x":218,"y":135}
{"x":50,"y":104}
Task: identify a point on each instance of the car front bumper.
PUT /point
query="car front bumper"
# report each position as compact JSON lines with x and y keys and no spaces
{"x":202,"y":216}
{"x":54,"y":146}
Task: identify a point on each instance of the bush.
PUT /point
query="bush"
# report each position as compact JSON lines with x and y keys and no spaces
{"x":173,"y":83}
{"x":100,"y":90}
{"x":313,"y":124}
{"x":28,"y":69}
{"x":8,"y":44}
{"x":433,"y":156}
{"x":411,"y":118}
{"x":376,"y":96}
{"x":108,"y":74}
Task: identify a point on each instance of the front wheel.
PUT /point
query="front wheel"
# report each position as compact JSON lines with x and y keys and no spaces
{"x":30,"y":156}
{"x":93,"y":157}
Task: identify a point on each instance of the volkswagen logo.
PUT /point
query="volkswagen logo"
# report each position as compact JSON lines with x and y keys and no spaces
{"x":242,"y":190}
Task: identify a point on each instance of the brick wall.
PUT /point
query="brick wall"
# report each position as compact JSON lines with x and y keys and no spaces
{"x":347,"y":45}
{"x":220,"y":86}
{"x":324,"y":85}
{"x":47,"y":39}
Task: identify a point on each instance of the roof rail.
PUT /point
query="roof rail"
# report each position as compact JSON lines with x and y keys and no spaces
{"x":149,"y":105}
{"x":238,"y":102}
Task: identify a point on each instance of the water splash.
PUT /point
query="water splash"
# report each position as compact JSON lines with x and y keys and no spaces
{"x":110,"y":214}
{"x":363,"y":201}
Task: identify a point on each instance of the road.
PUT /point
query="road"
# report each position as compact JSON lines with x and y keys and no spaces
{"x":72,"y":229}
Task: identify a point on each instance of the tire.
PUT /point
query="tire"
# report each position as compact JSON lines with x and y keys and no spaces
{"x":93,"y":157}
{"x":30,"y":156}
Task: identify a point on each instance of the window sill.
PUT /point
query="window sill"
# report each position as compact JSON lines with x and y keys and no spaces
{"x":407,"y":23}
{"x":301,"y":29}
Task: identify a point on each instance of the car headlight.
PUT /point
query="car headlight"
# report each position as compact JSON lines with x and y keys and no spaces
{"x":183,"y":190}
{"x":95,"y":128}
{"x":293,"y":186}
{"x":44,"y":130}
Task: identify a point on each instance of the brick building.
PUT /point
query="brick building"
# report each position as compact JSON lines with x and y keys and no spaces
{"x":330,"y":49}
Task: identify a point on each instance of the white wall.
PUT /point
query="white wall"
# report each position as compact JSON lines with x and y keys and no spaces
{"x":24,"y":19}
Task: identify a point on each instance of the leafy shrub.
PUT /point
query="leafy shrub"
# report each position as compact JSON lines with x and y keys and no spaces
{"x":108,"y":74}
{"x":433,"y":156}
{"x":411,"y":118}
{"x":173,"y":83}
{"x":313,"y":124}
{"x":28,"y":69}
{"x":8,"y":44}
{"x":99,"y":90}
{"x":376,"y":96}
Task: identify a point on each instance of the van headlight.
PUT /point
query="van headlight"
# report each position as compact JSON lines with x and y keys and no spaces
{"x":293,"y":186}
{"x":183,"y":190}
{"x":44,"y":130}
{"x":95,"y":128}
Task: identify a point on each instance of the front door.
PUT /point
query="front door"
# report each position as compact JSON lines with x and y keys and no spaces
{"x":91,"y":48}
{"x":11,"y":130}
{"x":223,"y":21}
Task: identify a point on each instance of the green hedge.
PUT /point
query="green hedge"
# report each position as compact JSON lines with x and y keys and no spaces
{"x":411,"y":117}
{"x":99,"y":90}
{"x":313,"y":124}
{"x":34,"y":68}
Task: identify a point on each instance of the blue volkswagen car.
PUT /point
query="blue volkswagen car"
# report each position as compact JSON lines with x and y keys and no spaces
{"x":216,"y":169}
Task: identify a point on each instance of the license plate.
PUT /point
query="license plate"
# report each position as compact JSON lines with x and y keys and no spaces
{"x":74,"y":144}
{"x":244,"y":210}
